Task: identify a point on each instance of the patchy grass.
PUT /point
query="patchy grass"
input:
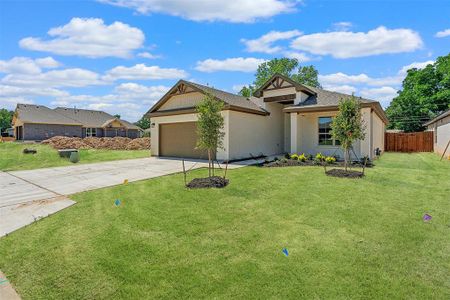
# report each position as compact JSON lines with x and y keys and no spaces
{"x":359,"y":238}
{"x":12,"y":158}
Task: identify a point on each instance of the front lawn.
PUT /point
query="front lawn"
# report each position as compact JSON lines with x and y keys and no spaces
{"x":347,"y":238}
{"x":12,"y":158}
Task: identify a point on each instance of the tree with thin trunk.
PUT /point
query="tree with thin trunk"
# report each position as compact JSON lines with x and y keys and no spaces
{"x":210,"y":127}
{"x":348,"y":125}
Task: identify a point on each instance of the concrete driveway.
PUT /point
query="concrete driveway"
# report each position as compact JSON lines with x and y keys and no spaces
{"x":80,"y":178}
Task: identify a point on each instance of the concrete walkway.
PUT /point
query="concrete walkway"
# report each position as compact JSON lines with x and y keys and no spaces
{"x":7,"y":292}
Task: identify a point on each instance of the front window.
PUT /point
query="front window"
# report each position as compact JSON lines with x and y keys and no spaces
{"x":325,"y":137}
{"x":90,"y":132}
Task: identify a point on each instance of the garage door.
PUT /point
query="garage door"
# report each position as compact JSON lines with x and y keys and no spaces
{"x":179,"y":140}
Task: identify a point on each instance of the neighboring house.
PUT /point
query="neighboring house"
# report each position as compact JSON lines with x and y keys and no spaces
{"x":282,"y":116}
{"x":38,"y":122}
{"x":441,"y":128}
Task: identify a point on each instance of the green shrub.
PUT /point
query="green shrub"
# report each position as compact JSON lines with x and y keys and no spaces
{"x":309,"y":156}
{"x":287,"y":156}
{"x":330,"y":159}
{"x":302,"y":157}
{"x":319,"y":158}
{"x":294,"y":156}
{"x":74,"y":157}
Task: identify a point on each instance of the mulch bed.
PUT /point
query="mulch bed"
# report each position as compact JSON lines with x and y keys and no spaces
{"x":209,"y":182}
{"x":296,"y":163}
{"x":344,"y":174}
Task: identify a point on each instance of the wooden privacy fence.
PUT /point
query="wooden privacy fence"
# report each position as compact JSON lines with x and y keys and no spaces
{"x":409,"y":142}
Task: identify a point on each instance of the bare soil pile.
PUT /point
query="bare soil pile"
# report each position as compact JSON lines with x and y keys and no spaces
{"x":115,"y":143}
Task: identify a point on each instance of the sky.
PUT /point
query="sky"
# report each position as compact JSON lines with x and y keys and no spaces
{"x":121,"y":56}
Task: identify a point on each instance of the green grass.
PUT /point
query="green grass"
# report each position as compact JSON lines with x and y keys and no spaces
{"x":12,"y":158}
{"x":361,"y":238}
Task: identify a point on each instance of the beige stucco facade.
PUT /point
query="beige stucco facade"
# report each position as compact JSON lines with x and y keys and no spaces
{"x":279,"y":131}
{"x":441,"y":137}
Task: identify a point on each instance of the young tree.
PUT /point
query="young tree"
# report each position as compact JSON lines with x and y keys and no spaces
{"x":348,"y":125}
{"x":209,"y":127}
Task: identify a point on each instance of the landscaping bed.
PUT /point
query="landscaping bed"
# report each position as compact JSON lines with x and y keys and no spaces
{"x":295,"y":163}
{"x":344,"y":174}
{"x":208,"y":182}
{"x":115,"y":143}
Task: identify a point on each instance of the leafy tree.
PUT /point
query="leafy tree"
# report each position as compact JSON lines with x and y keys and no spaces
{"x":307,"y":75}
{"x":5,"y":119}
{"x":209,"y":127}
{"x":425,"y":93}
{"x":348,"y":125}
{"x":143,"y":123}
{"x":247,"y":91}
{"x":117,"y":116}
{"x":288,"y":67}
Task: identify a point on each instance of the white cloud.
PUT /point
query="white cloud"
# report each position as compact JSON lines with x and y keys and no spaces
{"x":147,"y":55}
{"x":143,"y":72}
{"x":47,"y":62}
{"x":343,"y":44}
{"x":342,"y":78}
{"x":345,"y":89}
{"x":26,"y":65}
{"x":238,"y":87}
{"x":443,"y":33}
{"x":18,"y":91}
{"x":300,"y":56}
{"x":383,"y":94}
{"x":238,"y":64}
{"x":264,"y":43}
{"x":342,"y":26}
{"x":11,"y":102}
{"x":58,"y":78}
{"x":149,"y":94}
{"x":417,"y":65}
{"x":130,"y":100}
{"x":210,"y":10}
{"x":90,"y":38}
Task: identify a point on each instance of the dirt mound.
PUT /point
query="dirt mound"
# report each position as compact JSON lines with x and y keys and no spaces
{"x":210,"y":182}
{"x":345,"y":174}
{"x":115,"y":143}
{"x":63,"y":142}
{"x":138,"y":144}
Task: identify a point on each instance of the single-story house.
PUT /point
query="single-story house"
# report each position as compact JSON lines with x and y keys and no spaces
{"x":441,"y":128}
{"x":282,"y":116}
{"x":38,"y":122}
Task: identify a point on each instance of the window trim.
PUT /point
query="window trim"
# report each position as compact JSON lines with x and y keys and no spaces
{"x":91,"y":132}
{"x":333,"y":144}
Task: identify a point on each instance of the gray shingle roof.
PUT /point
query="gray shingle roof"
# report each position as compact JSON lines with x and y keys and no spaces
{"x":229,"y":98}
{"x":437,"y":118}
{"x":327,"y":98}
{"x":28,"y":113}
{"x":90,"y":118}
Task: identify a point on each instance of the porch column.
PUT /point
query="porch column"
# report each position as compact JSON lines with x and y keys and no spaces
{"x":294,"y":129}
